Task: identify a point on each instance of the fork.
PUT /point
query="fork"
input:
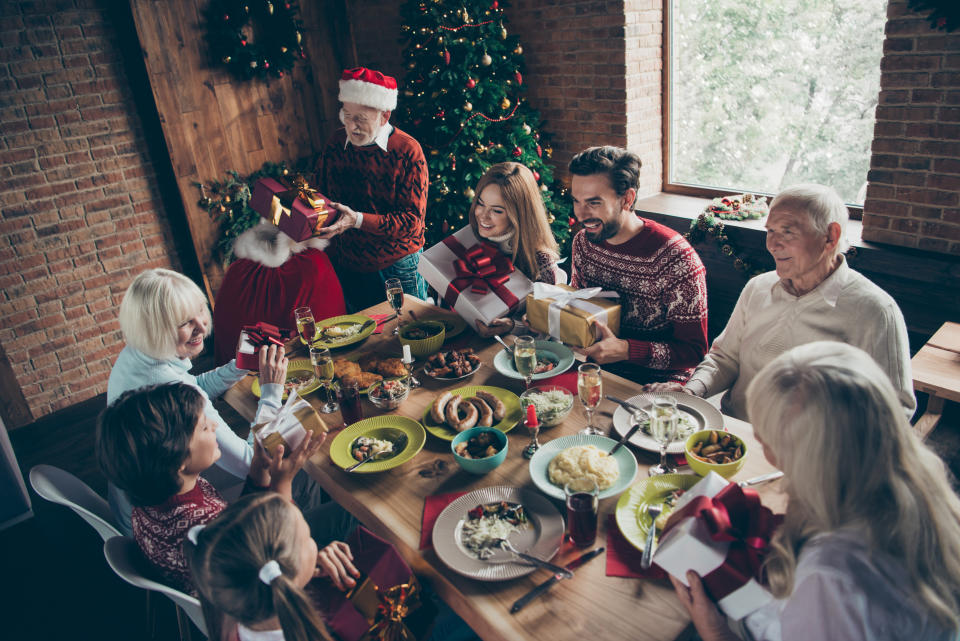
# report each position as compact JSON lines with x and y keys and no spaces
{"x":654,"y":511}
{"x":504,"y":343}
{"x":556,"y":569}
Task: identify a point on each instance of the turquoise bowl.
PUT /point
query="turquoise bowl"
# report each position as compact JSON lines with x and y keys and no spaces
{"x":480,"y":465}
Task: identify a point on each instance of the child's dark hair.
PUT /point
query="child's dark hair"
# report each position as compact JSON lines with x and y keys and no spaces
{"x":143,"y":438}
{"x":226,"y":559}
{"x":622,"y":167}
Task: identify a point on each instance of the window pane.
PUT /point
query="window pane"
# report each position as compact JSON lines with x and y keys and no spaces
{"x":776,"y":92}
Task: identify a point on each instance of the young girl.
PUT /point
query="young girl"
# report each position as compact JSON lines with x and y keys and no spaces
{"x":508,"y":210}
{"x":250,"y":566}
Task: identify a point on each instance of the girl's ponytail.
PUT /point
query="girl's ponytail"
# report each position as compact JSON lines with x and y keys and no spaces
{"x":298,"y":618}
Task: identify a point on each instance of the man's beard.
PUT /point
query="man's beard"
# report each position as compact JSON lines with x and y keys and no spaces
{"x":608,"y":230}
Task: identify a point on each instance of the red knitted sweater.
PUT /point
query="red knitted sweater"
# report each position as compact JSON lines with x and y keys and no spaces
{"x":663,"y":298}
{"x":388,"y":187}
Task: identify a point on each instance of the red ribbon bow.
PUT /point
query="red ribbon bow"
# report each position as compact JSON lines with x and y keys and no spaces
{"x":263,"y":334}
{"x":734,"y":515}
{"x":482,"y":268}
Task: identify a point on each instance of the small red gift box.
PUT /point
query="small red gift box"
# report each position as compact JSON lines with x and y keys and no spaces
{"x":253,"y":338}
{"x":297,"y":211}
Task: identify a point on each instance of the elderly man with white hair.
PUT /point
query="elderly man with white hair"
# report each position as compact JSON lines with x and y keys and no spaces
{"x":376,"y":176}
{"x":813,"y":295}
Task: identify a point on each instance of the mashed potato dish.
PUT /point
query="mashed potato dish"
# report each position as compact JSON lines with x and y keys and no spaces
{"x":585,"y":461}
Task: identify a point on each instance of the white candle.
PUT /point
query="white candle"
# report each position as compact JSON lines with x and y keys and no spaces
{"x":407,"y":357}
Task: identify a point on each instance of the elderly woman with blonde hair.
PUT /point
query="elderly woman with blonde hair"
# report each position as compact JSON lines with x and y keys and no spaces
{"x":870,"y":545}
{"x":812,"y":295}
{"x":165,"y":318}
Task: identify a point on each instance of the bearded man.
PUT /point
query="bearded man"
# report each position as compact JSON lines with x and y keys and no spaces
{"x":660,"y":279}
{"x":376,"y":176}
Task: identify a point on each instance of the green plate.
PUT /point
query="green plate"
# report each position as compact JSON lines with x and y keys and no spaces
{"x":386,"y":427}
{"x":559,"y":353}
{"x":631,"y":512}
{"x":453,"y":325}
{"x":296,"y":366}
{"x":344,"y":321}
{"x":510,"y":419}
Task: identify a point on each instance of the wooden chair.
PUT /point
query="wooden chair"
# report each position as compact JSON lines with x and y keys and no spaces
{"x":936,"y":371}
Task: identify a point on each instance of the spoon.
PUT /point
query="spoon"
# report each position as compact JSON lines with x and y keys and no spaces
{"x":398,"y":446}
{"x":504,"y":343}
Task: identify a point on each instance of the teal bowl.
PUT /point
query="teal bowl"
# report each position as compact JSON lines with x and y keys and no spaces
{"x":480,"y":465}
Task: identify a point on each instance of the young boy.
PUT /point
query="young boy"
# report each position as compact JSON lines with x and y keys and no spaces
{"x":153,"y":443}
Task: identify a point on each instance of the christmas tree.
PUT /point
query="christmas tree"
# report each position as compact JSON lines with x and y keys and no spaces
{"x":462,"y":100}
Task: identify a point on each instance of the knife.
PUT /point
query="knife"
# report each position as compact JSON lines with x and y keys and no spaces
{"x":763,"y":478}
{"x":625,"y":438}
{"x":630,"y":407}
{"x":546,"y":585}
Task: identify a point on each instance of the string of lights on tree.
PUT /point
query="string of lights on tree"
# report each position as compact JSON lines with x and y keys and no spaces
{"x":254,"y":38}
{"x":461,"y":98}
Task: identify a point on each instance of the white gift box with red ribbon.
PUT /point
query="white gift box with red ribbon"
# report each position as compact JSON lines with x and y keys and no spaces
{"x":474,"y":277}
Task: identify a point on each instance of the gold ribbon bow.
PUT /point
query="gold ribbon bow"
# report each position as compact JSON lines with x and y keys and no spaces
{"x":395,"y":604}
{"x":308,"y":194}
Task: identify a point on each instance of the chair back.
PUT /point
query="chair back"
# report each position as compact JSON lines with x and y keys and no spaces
{"x":128,"y":562}
{"x":60,"y":486}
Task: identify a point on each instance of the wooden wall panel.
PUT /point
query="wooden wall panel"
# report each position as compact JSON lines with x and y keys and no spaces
{"x":212,"y":122}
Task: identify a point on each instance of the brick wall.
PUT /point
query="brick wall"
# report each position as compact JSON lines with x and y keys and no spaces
{"x":79,"y":213}
{"x":913,"y":195}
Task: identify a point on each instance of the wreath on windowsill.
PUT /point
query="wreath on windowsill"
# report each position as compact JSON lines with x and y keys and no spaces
{"x":254,"y":38}
{"x":944,"y":14}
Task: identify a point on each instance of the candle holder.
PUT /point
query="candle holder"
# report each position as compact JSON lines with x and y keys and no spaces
{"x":533,"y":425}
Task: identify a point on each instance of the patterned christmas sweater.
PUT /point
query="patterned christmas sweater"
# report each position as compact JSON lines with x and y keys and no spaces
{"x":663,"y":298}
{"x":388,"y":187}
{"x":161,"y":529}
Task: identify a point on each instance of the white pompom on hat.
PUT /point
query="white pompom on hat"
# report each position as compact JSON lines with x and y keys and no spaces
{"x":368,"y":87}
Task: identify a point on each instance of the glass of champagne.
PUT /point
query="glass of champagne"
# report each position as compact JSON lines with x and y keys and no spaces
{"x":306,"y":326}
{"x":590,"y":387}
{"x":323,"y":368}
{"x":395,"y":298}
{"x":663,"y":429}
{"x":525,"y":357}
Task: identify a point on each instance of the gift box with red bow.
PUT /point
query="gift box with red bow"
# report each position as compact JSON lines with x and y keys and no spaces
{"x":474,"y":277}
{"x":387,"y":603}
{"x":252,"y":338}
{"x":722,"y":532}
{"x":298,"y":211}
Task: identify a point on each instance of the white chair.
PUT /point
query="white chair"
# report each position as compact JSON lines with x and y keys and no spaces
{"x":128,"y":562}
{"x":59,"y":486}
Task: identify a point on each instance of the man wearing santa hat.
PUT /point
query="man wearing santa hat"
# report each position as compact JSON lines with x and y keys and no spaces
{"x":376,"y":176}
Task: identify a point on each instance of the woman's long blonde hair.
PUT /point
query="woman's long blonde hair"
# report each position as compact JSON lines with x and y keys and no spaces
{"x":226,"y":560}
{"x":831,"y":419}
{"x":525,"y":212}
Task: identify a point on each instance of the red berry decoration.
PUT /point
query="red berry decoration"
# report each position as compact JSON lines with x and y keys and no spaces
{"x":226,"y":17}
{"x":539,"y":151}
{"x":445,"y":227}
{"x":446,"y":56}
{"x":536,"y":175}
{"x":266,"y":65}
{"x":471,"y":83}
{"x":571,"y":221}
{"x":519,"y":78}
{"x":517,"y":152}
{"x":243,"y":42}
{"x":495,"y":4}
{"x":280,"y":73}
{"x":441,"y":113}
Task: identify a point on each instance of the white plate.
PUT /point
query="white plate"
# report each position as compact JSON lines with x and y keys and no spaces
{"x":705,"y":415}
{"x":540,"y":463}
{"x":541,"y":537}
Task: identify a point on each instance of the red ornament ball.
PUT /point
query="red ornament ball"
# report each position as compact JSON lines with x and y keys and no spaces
{"x":519,"y":78}
{"x":446,"y":56}
{"x":266,"y":65}
{"x":539,"y":151}
{"x":517,"y":152}
{"x":226,"y":17}
{"x":571,"y":221}
{"x":243,"y":43}
{"x":281,"y":73}
{"x":471,"y":83}
{"x":441,"y":113}
{"x":536,"y":175}
{"x":495,"y":4}
{"x":445,"y":227}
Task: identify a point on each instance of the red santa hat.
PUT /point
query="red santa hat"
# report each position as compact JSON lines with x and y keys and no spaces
{"x":368,"y":87}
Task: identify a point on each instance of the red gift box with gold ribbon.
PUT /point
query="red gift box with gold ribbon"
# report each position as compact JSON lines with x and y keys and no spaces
{"x":298,"y":211}
{"x":253,"y":337}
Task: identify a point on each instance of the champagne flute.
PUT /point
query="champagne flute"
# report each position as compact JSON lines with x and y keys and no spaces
{"x":663,"y":429}
{"x":306,"y":326}
{"x":590,"y":387}
{"x":323,"y":368}
{"x":525,"y":357}
{"x":395,"y":298}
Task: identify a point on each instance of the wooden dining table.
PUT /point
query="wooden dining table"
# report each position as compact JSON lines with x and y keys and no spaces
{"x":592,"y":605}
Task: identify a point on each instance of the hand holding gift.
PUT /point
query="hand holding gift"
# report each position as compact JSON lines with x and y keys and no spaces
{"x":252,"y":338}
{"x":571,"y":315}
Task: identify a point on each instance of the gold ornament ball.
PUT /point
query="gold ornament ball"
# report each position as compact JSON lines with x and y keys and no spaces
{"x":286,"y":171}
{"x":518,"y":50}
{"x":481,"y":149}
{"x":253,"y":64}
{"x":411,"y":65}
{"x":543,"y":188}
{"x":551,"y":218}
{"x":467,"y":106}
{"x":270,"y":8}
{"x":227,"y":59}
{"x":503,"y":33}
{"x":299,"y":37}
{"x":439,"y":40}
{"x":469,"y":193}
{"x":486,"y":61}
{"x":526,"y":128}
{"x":505,"y":103}
{"x":283,"y":50}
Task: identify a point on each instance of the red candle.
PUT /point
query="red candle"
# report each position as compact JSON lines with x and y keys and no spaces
{"x":532,"y":416}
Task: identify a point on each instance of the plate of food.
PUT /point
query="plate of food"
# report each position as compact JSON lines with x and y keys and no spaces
{"x":552,"y":358}
{"x":453,"y":324}
{"x":381,"y":433}
{"x":631,"y":512}
{"x":460,"y":409}
{"x":452,"y":364}
{"x":695,"y":414}
{"x":340,"y":331}
{"x":368,"y":369}
{"x":465,"y":533}
{"x":568,"y":458}
{"x":300,"y":377}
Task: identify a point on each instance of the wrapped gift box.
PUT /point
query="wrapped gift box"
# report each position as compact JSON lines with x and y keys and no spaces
{"x":253,"y":337}
{"x":568,"y":314}
{"x":287,"y":426}
{"x":474,"y":277}
{"x":720,"y":531}
{"x":298,"y":211}
{"x":386,"y":604}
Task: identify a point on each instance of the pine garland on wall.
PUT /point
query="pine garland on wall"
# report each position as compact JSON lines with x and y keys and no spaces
{"x":254,"y":38}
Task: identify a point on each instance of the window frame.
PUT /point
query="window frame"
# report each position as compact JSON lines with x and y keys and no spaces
{"x":685,"y":189}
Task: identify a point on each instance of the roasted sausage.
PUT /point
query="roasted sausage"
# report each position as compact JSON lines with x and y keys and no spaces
{"x":499,"y":409}
{"x":452,"y":412}
{"x":486,"y":412}
{"x":439,"y":405}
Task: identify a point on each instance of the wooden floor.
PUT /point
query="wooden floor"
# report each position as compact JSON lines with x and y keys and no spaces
{"x":64,"y":588}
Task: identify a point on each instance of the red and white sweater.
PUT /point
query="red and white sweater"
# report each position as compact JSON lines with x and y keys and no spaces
{"x":388,"y":187}
{"x":161,"y":529}
{"x":663,"y":298}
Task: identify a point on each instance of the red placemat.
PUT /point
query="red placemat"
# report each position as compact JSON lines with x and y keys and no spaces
{"x":567,"y":380}
{"x":432,"y":507}
{"x":623,"y":559}
{"x":380,"y":318}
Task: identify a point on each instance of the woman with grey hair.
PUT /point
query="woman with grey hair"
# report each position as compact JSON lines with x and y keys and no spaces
{"x":870,"y":544}
{"x":165,"y":318}
{"x":812,"y":295}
